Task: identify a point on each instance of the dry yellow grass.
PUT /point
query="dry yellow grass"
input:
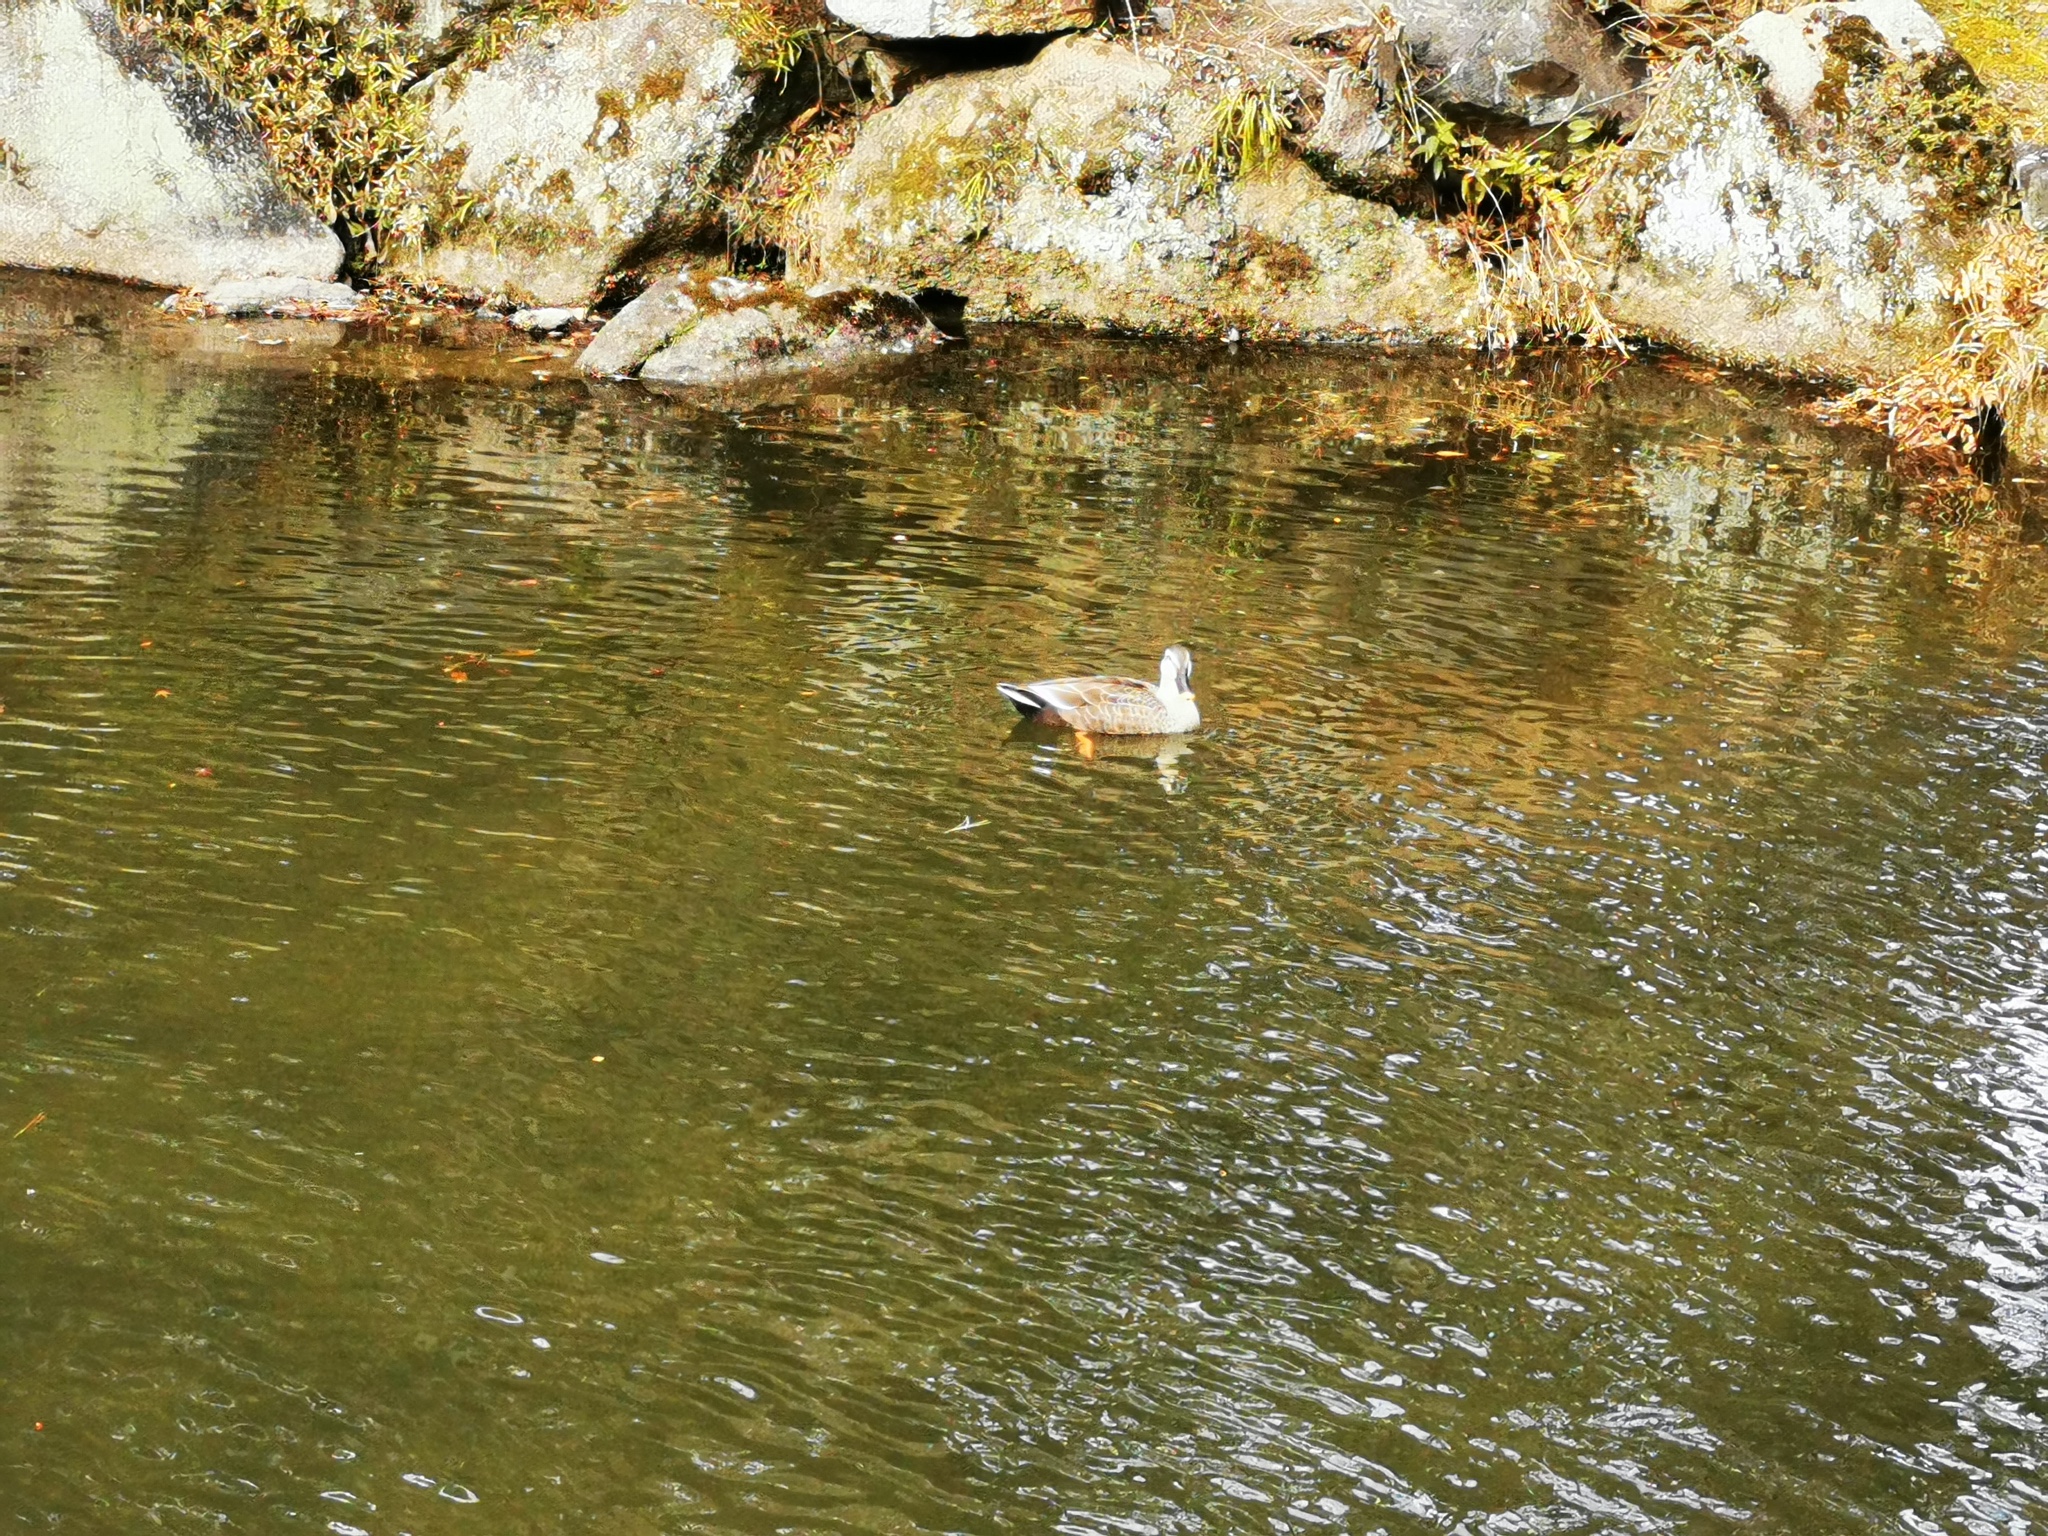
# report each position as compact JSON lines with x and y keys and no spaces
{"x":1991,"y":374}
{"x":2007,"y":42}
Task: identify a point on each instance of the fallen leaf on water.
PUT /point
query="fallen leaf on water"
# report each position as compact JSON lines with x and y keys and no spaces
{"x":457,"y":675}
{"x":34,"y":1120}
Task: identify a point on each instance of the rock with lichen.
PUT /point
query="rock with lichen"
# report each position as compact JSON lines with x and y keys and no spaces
{"x":119,"y":159}
{"x":701,"y":329}
{"x":592,"y":143}
{"x":1357,"y":143}
{"x":1803,"y":196}
{"x":1091,"y":185}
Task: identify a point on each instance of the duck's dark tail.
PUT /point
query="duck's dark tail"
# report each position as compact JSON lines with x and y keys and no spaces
{"x":1027,"y":702}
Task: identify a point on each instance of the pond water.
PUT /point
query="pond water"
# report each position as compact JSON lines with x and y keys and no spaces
{"x":558,"y":1000}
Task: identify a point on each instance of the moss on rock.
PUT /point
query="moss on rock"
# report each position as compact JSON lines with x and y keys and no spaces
{"x":1059,"y":190}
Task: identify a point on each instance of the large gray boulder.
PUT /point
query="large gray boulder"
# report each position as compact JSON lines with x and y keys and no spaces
{"x":693,"y":328}
{"x":1084,"y":186}
{"x":963,"y":18}
{"x":1785,"y":204}
{"x":589,"y":144}
{"x":115,"y":158}
{"x":1533,"y":61}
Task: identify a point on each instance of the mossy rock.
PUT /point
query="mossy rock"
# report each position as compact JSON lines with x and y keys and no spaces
{"x":1085,"y":187}
{"x":590,"y":144}
{"x":1803,"y":197}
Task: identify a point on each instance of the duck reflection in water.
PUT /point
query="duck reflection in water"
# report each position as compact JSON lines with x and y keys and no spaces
{"x":1168,"y":754}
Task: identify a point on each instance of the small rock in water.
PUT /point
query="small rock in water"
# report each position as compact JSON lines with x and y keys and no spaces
{"x":247,"y":297}
{"x":545,"y":321}
{"x":690,"y":329}
{"x":638,"y":331}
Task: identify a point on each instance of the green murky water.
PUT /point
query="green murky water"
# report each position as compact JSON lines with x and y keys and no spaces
{"x":561,"y":1004}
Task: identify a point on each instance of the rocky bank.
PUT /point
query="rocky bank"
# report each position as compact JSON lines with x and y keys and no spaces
{"x":1802,"y":192}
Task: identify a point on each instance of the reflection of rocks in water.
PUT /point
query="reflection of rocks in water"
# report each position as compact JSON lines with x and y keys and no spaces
{"x":81,"y":420}
{"x":1729,"y":505}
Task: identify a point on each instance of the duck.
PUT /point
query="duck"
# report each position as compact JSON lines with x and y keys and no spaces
{"x":1115,"y":706}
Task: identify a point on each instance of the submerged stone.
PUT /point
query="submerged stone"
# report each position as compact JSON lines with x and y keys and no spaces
{"x":288,"y":295}
{"x":117,"y":158}
{"x":694,"y":329}
{"x":545,"y":321}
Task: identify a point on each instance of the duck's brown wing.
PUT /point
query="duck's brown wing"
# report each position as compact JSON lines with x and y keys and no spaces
{"x":1109,"y":706}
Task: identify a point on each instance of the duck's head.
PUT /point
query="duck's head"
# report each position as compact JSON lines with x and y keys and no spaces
{"x":1177,"y":671}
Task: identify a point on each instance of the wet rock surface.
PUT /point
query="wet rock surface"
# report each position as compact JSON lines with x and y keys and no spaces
{"x":694,"y":328}
{"x":116,"y":158}
{"x":545,"y":322}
